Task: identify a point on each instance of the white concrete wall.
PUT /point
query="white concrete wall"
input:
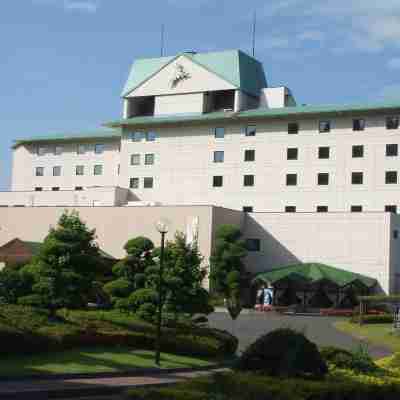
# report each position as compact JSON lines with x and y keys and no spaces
{"x":179,"y":103}
{"x":354,"y":242}
{"x":273,"y":97}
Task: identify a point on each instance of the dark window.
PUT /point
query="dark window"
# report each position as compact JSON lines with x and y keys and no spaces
{"x":79,"y":170}
{"x":323,"y":179}
{"x":391,"y":177}
{"x":134,"y":183}
{"x":395,"y":234}
{"x":356,"y":208}
{"x":250,"y":130}
{"x":293,"y":128}
{"x":81,"y":149}
{"x":324,"y":126}
{"x":248,"y":180}
{"x":218,"y":156}
{"x":55,"y":189}
{"x":357,"y":178}
{"x":219,"y":133}
{"x":218,"y":181}
{"x":392,"y":150}
{"x":358,"y":151}
{"x":391,"y":209}
{"x":58,"y":150}
{"x":249,"y":155}
{"x":358,"y":124}
{"x":247,"y":209}
{"x":57,"y":171}
{"x":98,"y":170}
{"x":148,"y":183}
{"x":99,"y":148}
{"x":135,"y":159}
{"x":136,"y":136}
{"x":322,"y":209}
{"x":253,"y":244}
{"x":392,"y":122}
{"x":151,"y":136}
{"x":78,"y":188}
{"x":291,"y":179}
{"x":292,"y":153}
{"x":149,"y":159}
{"x":41,"y":150}
{"x":39,"y":171}
{"x":290,"y":209}
{"x":38,"y":189}
{"x":323,"y":152}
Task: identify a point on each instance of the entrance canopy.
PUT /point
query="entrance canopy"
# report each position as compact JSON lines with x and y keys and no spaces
{"x":312,"y":275}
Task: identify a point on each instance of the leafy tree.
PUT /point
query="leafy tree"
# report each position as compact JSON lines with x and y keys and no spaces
{"x":64,"y":270}
{"x":13,"y":284}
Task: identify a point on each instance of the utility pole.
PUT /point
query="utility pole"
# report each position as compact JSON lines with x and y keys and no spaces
{"x":254,"y":34}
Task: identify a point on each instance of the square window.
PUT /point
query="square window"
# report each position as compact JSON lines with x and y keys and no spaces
{"x":135,"y":159}
{"x":39,"y":171}
{"x":290,"y":209}
{"x":323,"y":179}
{"x":219,"y":133}
{"x":99,"y":148}
{"x":41,"y":150}
{"x":218,"y":181}
{"x":249,"y":155}
{"x":357,"y":151}
{"x":58,"y":150}
{"x":253,"y":244}
{"x":38,"y":189}
{"x":98,"y":169}
{"x":291,"y":179}
{"x":391,"y":177}
{"x":323,"y":152}
{"x":391,"y":209}
{"x":250,"y":130}
{"x":293,"y":128}
{"x":151,"y":136}
{"x":357,"y":178}
{"x":149,"y":159}
{"x":392,"y":122}
{"x":55,"y":189}
{"x":392,"y":150}
{"x":81,"y":149}
{"x":247,"y":209}
{"x":118,"y":169}
{"x":57,"y":171}
{"x":79,"y":170}
{"x":78,"y":188}
{"x":358,"y":124}
{"x":134,"y":183}
{"x":395,"y":234}
{"x":218,"y":156}
{"x":324,"y":126}
{"x":322,"y":209}
{"x":148,"y":183}
{"x":356,"y":208}
{"x":292,"y":153}
{"x":248,"y":180}
{"x":136,"y":136}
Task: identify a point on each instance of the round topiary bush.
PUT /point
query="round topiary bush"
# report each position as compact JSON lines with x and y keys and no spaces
{"x":283,"y":352}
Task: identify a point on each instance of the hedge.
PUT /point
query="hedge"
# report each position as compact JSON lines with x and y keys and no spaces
{"x":373,"y":319}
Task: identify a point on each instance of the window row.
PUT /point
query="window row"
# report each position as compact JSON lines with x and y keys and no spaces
{"x":138,"y":136}
{"x":148,"y":159}
{"x":79,"y":170}
{"x":354,"y":208}
{"x":56,"y":189}
{"x":148,"y":183}
{"x":80,"y":149}
{"x":249,"y":155}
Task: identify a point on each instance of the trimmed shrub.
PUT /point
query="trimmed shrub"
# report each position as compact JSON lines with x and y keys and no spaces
{"x":119,"y":288}
{"x":283,"y":352}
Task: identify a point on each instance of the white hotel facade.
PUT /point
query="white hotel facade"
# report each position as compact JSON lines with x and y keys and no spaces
{"x":203,"y":138}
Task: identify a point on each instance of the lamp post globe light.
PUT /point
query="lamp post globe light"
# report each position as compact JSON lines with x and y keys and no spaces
{"x":162,"y":226}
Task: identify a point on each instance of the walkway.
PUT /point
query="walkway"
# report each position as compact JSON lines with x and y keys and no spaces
{"x":250,"y":325}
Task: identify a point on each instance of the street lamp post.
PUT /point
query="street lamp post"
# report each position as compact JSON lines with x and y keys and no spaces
{"x":162,"y":227}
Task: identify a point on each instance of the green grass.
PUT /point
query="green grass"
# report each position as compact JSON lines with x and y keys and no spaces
{"x":378,"y":334}
{"x":92,"y":360}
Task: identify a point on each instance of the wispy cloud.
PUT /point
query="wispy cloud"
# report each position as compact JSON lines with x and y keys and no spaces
{"x":85,"y":6}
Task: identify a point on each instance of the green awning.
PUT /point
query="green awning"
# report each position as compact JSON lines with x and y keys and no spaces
{"x":314,"y":273}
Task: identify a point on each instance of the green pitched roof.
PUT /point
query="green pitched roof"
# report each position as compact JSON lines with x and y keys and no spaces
{"x":262,"y":113}
{"x":313,"y":273}
{"x":234,"y":66}
{"x":56,"y":137}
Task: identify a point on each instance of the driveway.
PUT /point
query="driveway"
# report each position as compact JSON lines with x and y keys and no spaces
{"x":320,"y":330}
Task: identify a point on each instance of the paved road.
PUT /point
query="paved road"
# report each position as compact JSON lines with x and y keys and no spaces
{"x":250,"y":326}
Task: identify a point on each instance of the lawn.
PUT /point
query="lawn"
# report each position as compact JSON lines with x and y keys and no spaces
{"x":378,"y":334}
{"x":92,"y":360}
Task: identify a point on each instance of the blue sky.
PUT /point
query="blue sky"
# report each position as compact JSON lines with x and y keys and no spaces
{"x":64,"y":62}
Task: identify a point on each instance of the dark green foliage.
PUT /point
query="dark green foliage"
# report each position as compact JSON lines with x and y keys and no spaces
{"x":138,"y":246}
{"x":373,"y":319}
{"x":394,"y":361}
{"x":14,"y":284}
{"x":242,"y":386}
{"x":320,"y":299}
{"x":289,"y":297}
{"x":283,"y":352}
{"x":358,"y":360}
{"x":118,"y":288}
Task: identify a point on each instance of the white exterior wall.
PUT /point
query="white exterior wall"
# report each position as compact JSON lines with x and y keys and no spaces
{"x":273,"y":97}
{"x":26,"y":159}
{"x":183,"y":103}
{"x":358,"y":243}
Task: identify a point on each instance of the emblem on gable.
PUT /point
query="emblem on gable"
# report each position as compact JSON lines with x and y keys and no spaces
{"x":180,"y":75}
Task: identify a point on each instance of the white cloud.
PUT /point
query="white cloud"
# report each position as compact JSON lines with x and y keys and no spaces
{"x":86,"y":6}
{"x":394,"y":63}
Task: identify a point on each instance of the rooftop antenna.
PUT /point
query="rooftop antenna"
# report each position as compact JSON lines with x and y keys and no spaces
{"x":254,"y":34}
{"x":162,"y":39}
